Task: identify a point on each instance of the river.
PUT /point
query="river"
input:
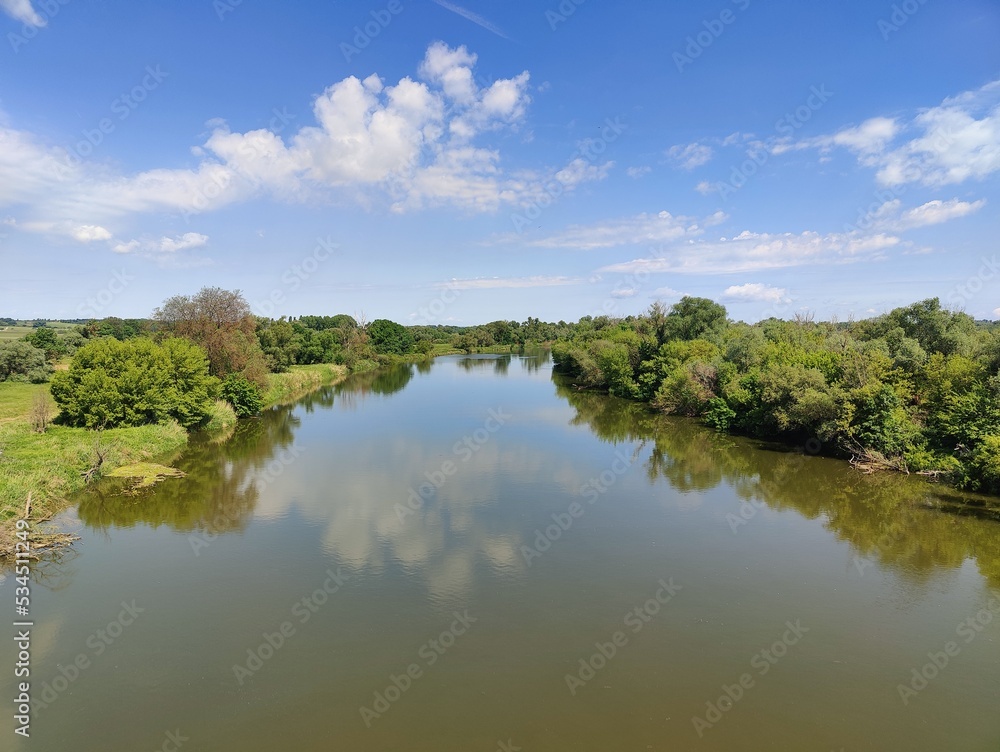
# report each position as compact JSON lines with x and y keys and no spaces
{"x":471,"y":554}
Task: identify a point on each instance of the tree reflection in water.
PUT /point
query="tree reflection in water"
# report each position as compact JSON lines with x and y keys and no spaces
{"x":893,"y":520}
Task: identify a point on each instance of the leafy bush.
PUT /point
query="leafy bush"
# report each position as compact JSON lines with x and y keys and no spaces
{"x":20,"y":361}
{"x":113,"y":383}
{"x":45,"y":339}
{"x":242,"y":394}
{"x":389,"y":338}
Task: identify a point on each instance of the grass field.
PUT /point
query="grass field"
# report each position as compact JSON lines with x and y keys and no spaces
{"x":10,"y":333}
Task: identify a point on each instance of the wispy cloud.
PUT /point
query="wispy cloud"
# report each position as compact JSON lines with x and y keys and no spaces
{"x":690,"y":156}
{"x":474,"y":17}
{"x":22,"y":10}
{"x":636,"y":230}
{"x":494,"y":283}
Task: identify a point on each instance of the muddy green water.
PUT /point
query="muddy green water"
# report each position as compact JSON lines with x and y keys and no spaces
{"x":472,"y":555}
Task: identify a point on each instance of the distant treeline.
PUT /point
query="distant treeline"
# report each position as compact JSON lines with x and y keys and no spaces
{"x":916,"y":389}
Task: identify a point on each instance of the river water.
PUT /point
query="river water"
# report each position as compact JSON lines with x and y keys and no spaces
{"x":471,"y":554}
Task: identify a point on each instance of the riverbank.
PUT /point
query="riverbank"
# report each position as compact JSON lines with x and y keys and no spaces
{"x":54,"y":465}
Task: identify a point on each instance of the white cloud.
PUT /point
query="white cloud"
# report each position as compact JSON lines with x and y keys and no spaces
{"x":185,"y":241}
{"x":936,"y":212}
{"x":668,"y":293}
{"x":411,"y":144}
{"x":891,"y":216}
{"x":705,"y":187}
{"x":955,"y":141}
{"x":492,"y":283}
{"x":642,"y":228}
{"x":165,"y":244}
{"x":90,"y":233}
{"x":22,"y":10}
{"x":959,"y":140}
{"x":866,"y":140}
{"x":638,"y":172}
{"x":756,"y":291}
{"x":624,"y":292}
{"x":691,"y":155}
{"x":748,"y":252}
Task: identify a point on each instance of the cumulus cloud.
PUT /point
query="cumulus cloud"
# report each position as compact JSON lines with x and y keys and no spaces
{"x":690,"y":156}
{"x":756,"y":292}
{"x":90,"y":233}
{"x":22,"y":10}
{"x":412,"y":144}
{"x":955,"y":141}
{"x":638,"y":172}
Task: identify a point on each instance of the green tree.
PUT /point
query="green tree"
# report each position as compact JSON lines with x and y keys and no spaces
{"x":389,"y":338}
{"x":114,"y":383}
{"x":694,"y":318}
{"x":20,"y":361}
{"x":45,"y":339}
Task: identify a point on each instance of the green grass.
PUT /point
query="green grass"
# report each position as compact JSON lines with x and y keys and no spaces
{"x":299,"y":380}
{"x":16,"y":399}
{"x":50,"y":465}
{"x":11,"y":333}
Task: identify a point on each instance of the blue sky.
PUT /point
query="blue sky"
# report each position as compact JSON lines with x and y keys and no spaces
{"x":442,"y":162}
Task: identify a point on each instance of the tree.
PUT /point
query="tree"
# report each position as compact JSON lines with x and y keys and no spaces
{"x":20,"y":361}
{"x":242,"y":395}
{"x":45,"y":339}
{"x":136,"y":382}
{"x":221,"y":322}
{"x":388,"y":337}
{"x":694,"y":318}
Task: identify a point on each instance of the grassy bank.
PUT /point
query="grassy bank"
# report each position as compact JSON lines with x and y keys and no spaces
{"x":300,"y":380}
{"x":51,"y":465}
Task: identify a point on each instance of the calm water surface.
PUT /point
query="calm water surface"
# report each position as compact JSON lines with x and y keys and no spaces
{"x":472,"y":555}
